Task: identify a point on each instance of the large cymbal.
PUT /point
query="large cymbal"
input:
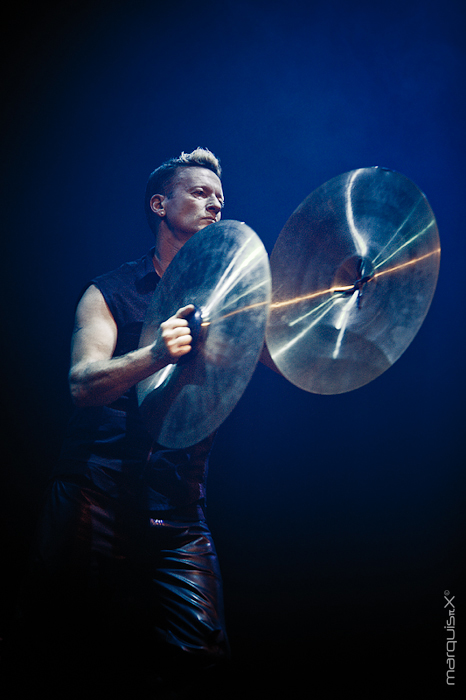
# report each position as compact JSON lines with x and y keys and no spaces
{"x":224,"y":270}
{"x":354,"y":271}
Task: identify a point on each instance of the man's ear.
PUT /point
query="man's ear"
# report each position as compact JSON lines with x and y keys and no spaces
{"x":156,"y":204}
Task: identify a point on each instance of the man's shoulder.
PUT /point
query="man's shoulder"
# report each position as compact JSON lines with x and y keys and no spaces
{"x":127,"y":290}
{"x":134,"y":270}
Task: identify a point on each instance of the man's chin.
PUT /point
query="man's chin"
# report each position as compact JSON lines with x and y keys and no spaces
{"x":203,"y":224}
{"x":207,"y":222}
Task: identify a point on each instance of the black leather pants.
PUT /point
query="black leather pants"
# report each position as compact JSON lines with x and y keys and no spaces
{"x":115,"y":593}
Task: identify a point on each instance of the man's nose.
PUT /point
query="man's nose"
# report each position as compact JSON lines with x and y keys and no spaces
{"x":214,"y":205}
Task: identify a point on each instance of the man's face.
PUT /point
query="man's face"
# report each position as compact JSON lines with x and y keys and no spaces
{"x":195,"y":201}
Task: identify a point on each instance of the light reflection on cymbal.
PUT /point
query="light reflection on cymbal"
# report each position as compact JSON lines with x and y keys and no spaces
{"x":395,"y":268}
{"x":353,"y":274}
{"x":331,"y":290}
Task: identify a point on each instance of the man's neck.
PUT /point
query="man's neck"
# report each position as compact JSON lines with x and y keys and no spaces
{"x":166,"y":247}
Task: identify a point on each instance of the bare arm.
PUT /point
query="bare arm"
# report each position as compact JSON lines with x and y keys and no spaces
{"x":96,"y":378}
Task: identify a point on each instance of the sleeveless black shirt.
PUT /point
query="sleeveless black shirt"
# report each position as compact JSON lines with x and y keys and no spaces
{"x":112,"y":439}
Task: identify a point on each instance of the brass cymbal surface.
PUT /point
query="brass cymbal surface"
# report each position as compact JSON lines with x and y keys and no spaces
{"x":224,"y":271}
{"x":354,"y":271}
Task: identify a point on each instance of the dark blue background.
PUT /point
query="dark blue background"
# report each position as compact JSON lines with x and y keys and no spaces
{"x":339,"y":520}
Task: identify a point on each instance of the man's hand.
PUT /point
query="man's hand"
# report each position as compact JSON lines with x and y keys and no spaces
{"x":176,"y":333}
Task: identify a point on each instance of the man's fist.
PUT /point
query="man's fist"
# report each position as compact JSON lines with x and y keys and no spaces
{"x":176,"y":333}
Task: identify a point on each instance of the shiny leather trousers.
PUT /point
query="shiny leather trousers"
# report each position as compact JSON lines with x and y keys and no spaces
{"x":117,"y":593}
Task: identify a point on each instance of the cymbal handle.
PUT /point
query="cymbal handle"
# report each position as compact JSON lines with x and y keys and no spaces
{"x":194,"y":320}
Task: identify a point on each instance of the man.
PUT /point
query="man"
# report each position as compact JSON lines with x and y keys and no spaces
{"x":125,"y":571}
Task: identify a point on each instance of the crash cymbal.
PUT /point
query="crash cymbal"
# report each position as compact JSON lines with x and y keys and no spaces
{"x":224,"y":271}
{"x":354,"y":271}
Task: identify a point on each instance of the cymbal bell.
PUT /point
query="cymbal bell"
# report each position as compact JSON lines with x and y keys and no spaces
{"x":224,"y":271}
{"x":354,"y":271}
